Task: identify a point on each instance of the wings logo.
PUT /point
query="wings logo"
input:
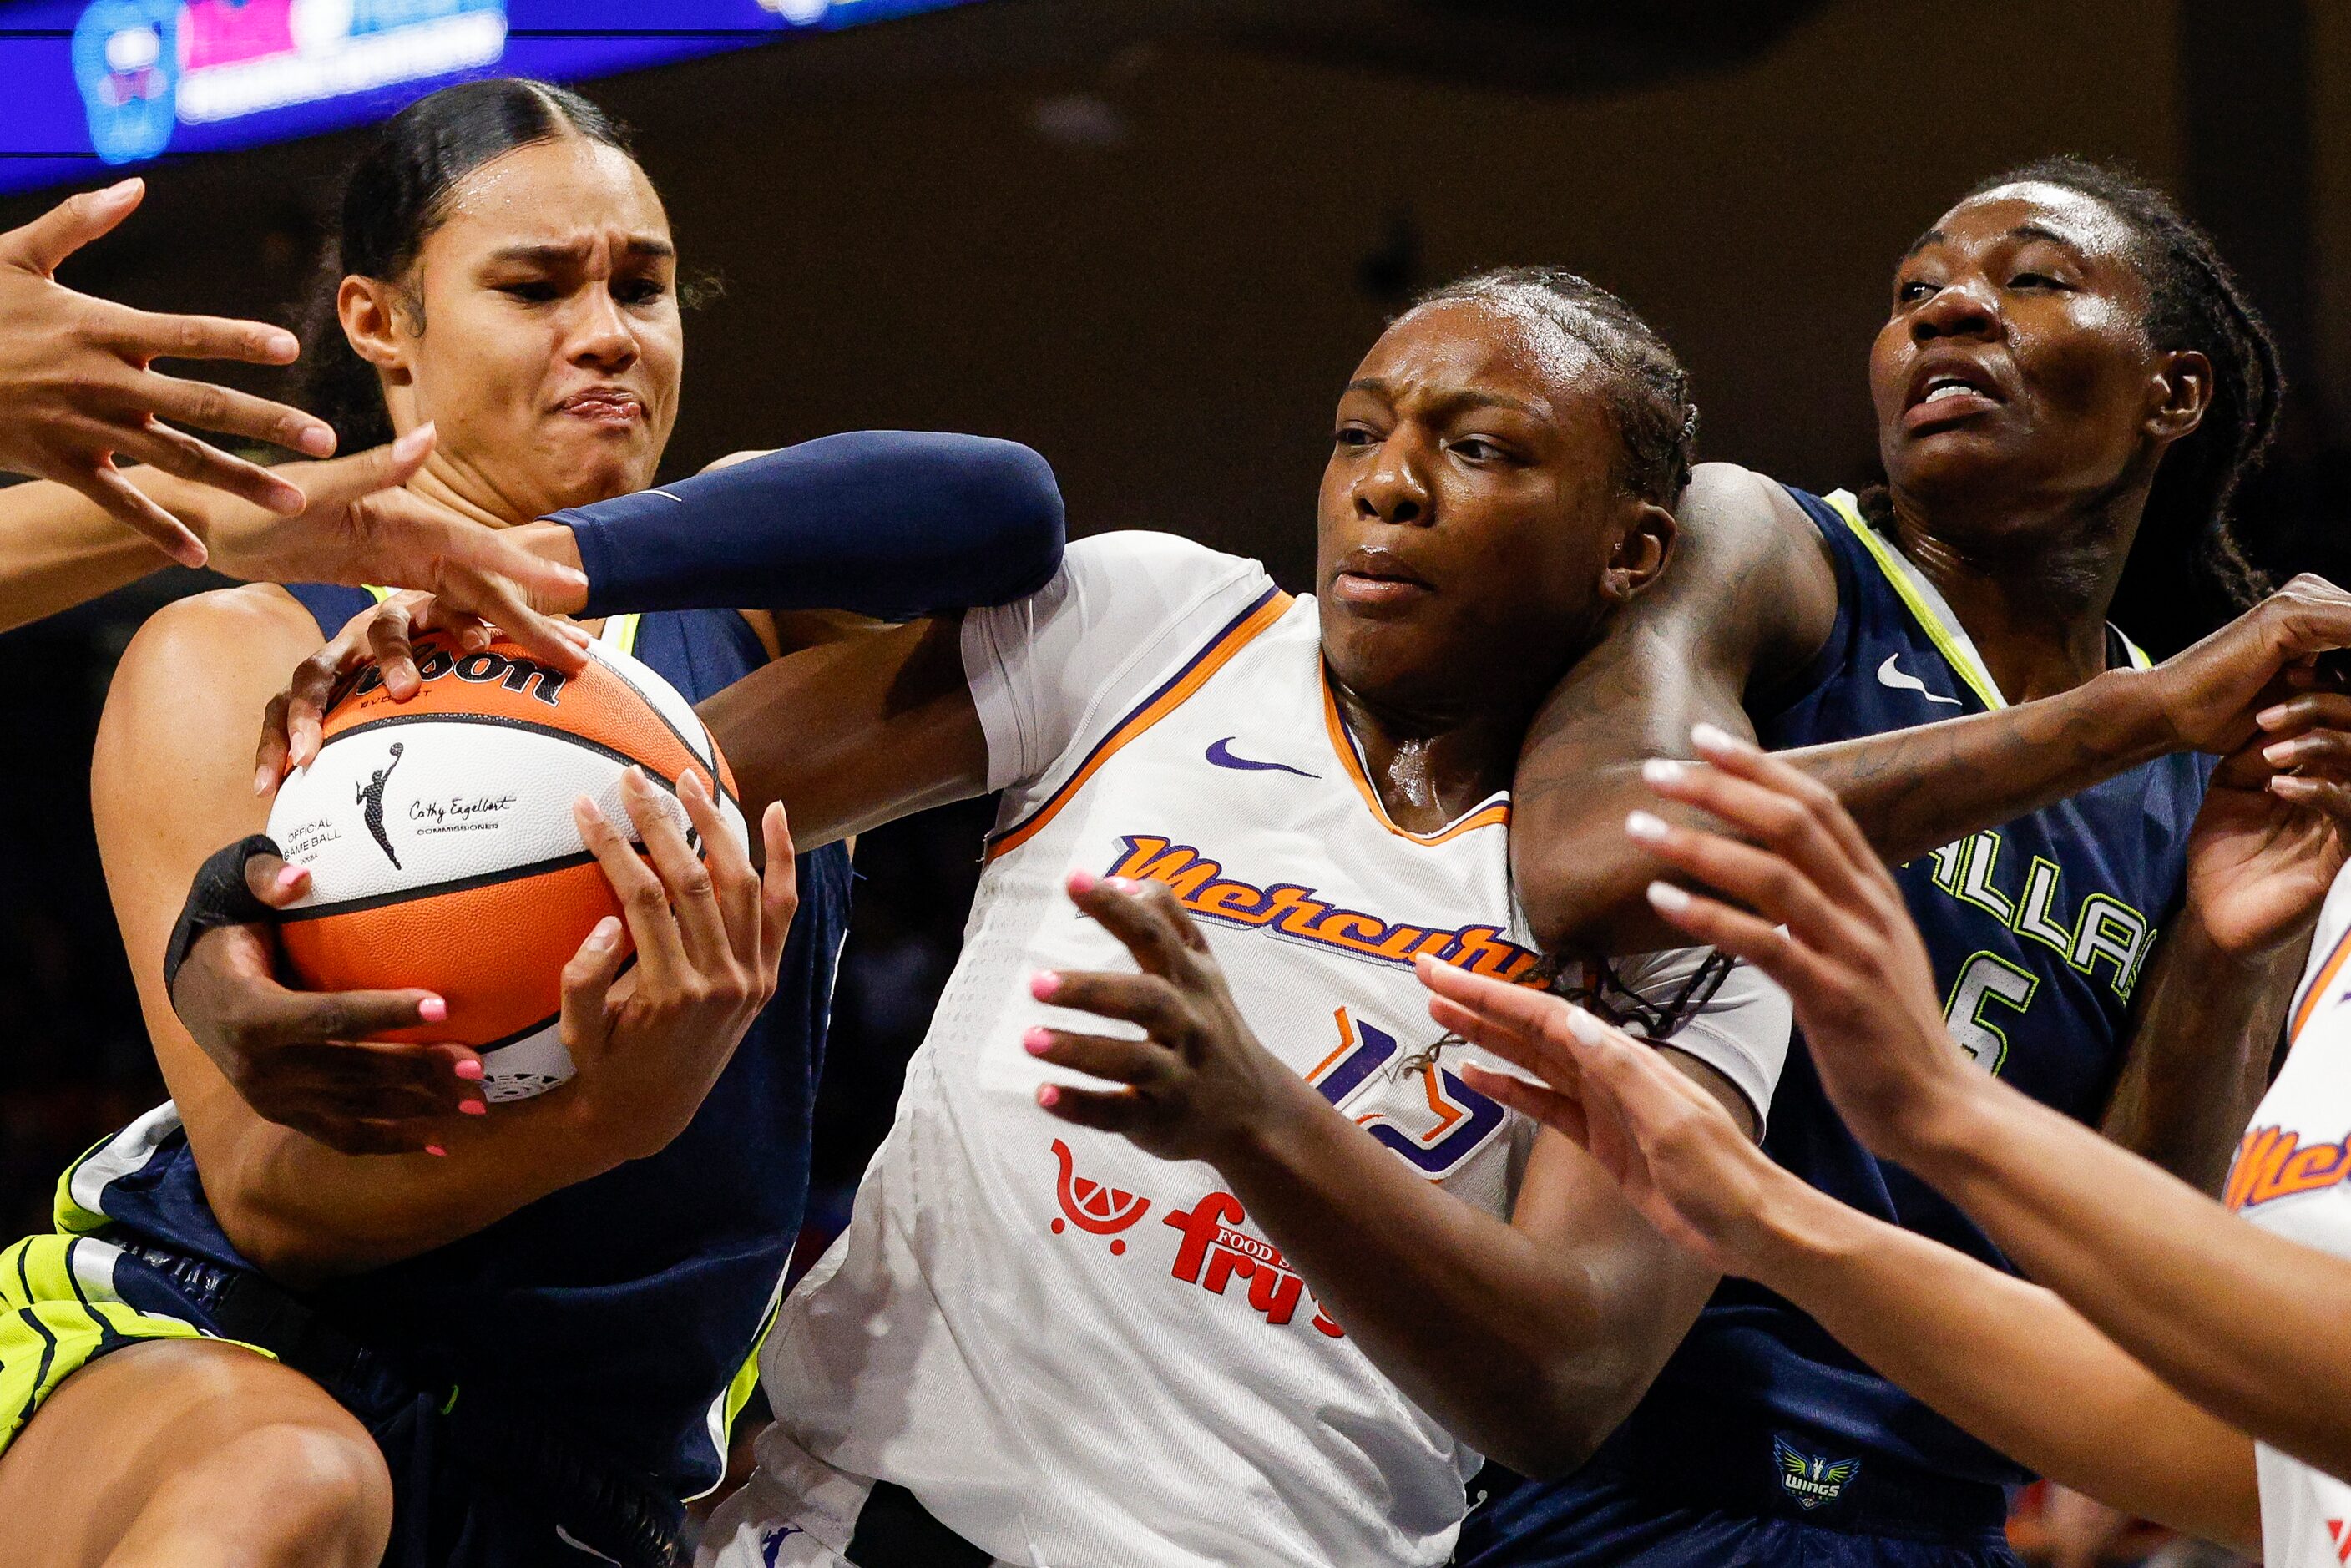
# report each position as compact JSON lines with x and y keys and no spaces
{"x":1092,"y":1208}
{"x":1812,"y":1481}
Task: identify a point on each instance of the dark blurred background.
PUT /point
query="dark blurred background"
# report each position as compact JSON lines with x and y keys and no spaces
{"x":1151,"y":237}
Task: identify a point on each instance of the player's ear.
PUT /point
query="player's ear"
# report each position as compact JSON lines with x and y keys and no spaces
{"x":1645,"y":543}
{"x":376,"y":317}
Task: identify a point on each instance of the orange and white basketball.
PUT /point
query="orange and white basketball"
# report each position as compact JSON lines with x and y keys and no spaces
{"x":439,"y":842}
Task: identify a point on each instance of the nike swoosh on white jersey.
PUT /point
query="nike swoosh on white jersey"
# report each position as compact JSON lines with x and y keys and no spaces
{"x":1888,"y":675}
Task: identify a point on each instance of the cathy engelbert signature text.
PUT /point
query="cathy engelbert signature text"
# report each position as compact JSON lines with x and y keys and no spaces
{"x":458,"y":813}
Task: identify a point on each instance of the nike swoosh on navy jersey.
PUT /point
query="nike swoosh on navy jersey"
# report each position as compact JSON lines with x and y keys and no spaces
{"x":1223,"y":758}
{"x":1901,"y":681}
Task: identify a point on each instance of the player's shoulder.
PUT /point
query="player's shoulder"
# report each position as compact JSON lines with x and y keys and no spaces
{"x":231,"y":622}
{"x":1144,"y":555}
{"x":232,"y":642}
{"x":1136,"y":586}
{"x":1739,"y":502}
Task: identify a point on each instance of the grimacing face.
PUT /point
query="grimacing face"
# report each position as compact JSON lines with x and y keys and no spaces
{"x":550,"y":349}
{"x":2016,"y":362}
{"x":1473,"y":532}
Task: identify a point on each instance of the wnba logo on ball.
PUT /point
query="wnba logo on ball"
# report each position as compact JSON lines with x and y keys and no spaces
{"x":370,"y":803}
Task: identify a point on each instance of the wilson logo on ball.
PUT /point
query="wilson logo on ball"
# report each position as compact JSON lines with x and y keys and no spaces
{"x":515,"y":675}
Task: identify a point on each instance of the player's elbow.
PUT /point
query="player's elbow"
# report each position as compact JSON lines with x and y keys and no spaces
{"x":297,"y":1250}
{"x":1555,"y":1421}
{"x":1018,"y":525}
{"x":1583,"y":899}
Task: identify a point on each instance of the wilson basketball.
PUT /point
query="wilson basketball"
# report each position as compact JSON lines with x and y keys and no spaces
{"x":440,"y":846}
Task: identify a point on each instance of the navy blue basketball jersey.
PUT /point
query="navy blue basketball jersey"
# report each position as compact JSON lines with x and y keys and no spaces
{"x":1763,"y":1438}
{"x":624,"y":1311}
{"x":2039,"y":931}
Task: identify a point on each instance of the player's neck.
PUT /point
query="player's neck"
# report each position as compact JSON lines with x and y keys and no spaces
{"x":1429,"y":770}
{"x":2033,"y":593}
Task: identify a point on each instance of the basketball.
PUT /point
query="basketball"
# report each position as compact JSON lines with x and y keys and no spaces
{"x":439,"y":837}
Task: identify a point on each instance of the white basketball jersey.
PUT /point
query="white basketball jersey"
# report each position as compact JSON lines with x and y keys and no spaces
{"x":2289,"y":1177}
{"x":1074,"y":1354}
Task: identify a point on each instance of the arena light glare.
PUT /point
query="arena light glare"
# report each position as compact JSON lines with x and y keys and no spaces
{"x":96,"y":85}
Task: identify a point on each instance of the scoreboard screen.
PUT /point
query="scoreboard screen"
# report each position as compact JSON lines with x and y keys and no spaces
{"x":88,"y":86}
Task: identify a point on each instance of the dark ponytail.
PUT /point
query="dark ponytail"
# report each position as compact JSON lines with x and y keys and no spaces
{"x":393,"y":200}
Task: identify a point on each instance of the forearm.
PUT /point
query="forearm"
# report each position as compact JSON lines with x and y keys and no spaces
{"x":1915,"y":791}
{"x":2243,"y":1323}
{"x":2016,"y":1368}
{"x":57,"y":550}
{"x":1530,"y":1349}
{"x":886,"y":523}
{"x":2199,"y":1057}
{"x":304,"y":1213}
{"x":1911,"y":791}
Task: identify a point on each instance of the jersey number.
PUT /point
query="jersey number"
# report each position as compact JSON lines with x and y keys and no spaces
{"x":1461,"y":1119}
{"x":1987,"y":980}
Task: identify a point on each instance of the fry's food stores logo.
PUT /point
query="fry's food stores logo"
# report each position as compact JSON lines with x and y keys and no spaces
{"x":1213,"y":1252}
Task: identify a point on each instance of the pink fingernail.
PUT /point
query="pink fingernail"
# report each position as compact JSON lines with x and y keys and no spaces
{"x":588,"y":809}
{"x":1043,"y":984}
{"x":473,"y":1107}
{"x":469,"y":1070}
{"x":433,"y":1009}
{"x":1711,"y":737}
{"x":436,"y":1149}
{"x":2271,"y":718}
{"x":1037,"y":1041}
{"x":291,"y":877}
{"x":1048,"y":1096}
{"x":1083,"y":882}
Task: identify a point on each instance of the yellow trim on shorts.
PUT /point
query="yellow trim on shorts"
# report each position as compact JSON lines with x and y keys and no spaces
{"x":54,"y":1322}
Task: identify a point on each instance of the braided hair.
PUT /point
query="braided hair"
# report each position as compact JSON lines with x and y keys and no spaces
{"x":2194,"y":301}
{"x":395,"y":195}
{"x":1656,"y":423}
{"x":1649,"y":391}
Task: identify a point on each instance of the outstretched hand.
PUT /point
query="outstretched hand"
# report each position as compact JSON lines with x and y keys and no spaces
{"x":1690,"y":1170}
{"x":1814,"y":907}
{"x":1199,"y":1085}
{"x":77,"y":390}
{"x":2269,"y":837}
{"x":2210,"y":693}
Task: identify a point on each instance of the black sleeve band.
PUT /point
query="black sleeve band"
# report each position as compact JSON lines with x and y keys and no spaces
{"x":220,"y":897}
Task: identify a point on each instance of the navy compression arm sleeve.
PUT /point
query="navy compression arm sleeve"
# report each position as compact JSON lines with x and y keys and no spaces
{"x":888,"y":523}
